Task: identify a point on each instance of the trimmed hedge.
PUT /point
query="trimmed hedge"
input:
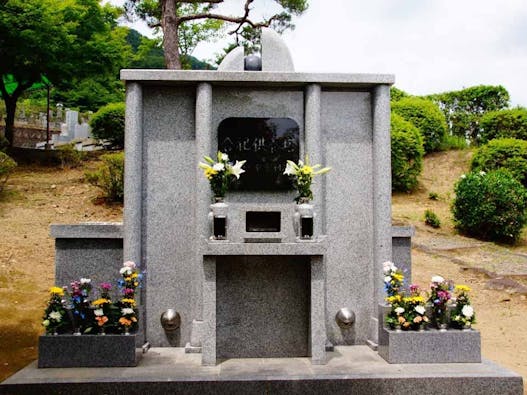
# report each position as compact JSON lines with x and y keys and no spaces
{"x":426,"y":116}
{"x":510,"y":154}
{"x":490,"y":206}
{"x":503,"y":124}
{"x":108,"y":124}
{"x":407,"y":154}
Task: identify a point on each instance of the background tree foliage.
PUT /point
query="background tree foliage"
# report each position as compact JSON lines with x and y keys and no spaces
{"x":62,"y":40}
{"x":464,"y":108}
{"x":187,"y":22}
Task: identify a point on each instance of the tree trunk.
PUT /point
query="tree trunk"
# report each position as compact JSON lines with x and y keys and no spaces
{"x":10,"y":106}
{"x":170,"y":34}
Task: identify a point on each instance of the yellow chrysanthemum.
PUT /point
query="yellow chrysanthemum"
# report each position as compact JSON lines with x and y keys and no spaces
{"x":398,"y":276}
{"x":134,"y":275}
{"x":463,"y":288}
{"x":56,"y":291}
{"x":100,"y":301}
{"x":129,"y":301}
{"x":393,"y":299}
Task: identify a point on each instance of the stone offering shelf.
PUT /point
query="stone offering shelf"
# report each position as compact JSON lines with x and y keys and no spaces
{"x":316,"y":247}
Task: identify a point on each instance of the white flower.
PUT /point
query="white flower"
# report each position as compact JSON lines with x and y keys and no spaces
{"x":236,"y":170}
{"x":129,"y":264}
{"x":289,"y":169}
{"x":125,"y":270}
{"x":463,"y":176}
{"x":467,"y":311}
{"x":218,"y":166}
{"x":127,"y":310}
{"x":387,"y":279}
{"x":224,"y":157}
{"x":482,"y":173}
{"x":85,"y":281}
{"x":388,"y":267}
{"x":438,"y":279}
{"x":399,"y":310}
{"x":420,"y":309}
{"x":98,"y":312}
{"x":55,"y":315}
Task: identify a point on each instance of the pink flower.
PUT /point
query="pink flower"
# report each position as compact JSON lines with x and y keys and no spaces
{"x":414,"y":288}
{"x":129,"y":264}
{"x":106,"y":286}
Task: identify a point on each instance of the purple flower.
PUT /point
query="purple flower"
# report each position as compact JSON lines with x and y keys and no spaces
{"x":106,"y":286}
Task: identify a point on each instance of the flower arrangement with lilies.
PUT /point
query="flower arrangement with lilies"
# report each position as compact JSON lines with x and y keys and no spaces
{"x":73,"y":311}
{"x":55,"y":313}
{"x":221,"y":172}
{"x":462,"y":316}
{"x":303,"y":174}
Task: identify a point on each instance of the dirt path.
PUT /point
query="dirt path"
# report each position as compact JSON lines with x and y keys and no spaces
{"x":37,"y":197}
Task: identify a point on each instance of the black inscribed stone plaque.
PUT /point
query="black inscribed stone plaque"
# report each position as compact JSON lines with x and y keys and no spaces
{"x":266,"y":144}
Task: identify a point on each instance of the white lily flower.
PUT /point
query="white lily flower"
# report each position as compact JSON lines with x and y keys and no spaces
{"x":224,"y":157}
{"x":218,"y":167}
{"x":289,"y":169}
{"x":237,"y":170}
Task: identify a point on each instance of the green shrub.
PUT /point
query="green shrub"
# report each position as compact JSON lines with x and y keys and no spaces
{"x":7,"y":165}
{"x":69,"y":156}
{"x":108,"y":124}
{"x":453,"y":143}
{"x":431,"y":219}
{"x":433,"y":196}
{"x":426,"y":116}
{"x":503,"y":124}
{"x":510,"y":154}
{"x":109,"y":177}
{"x":407,"y":154}
{"x":490,"y":206}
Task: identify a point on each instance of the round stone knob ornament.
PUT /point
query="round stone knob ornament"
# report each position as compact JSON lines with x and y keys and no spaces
{"x":345,"y":318}
{"x":253,"y":63}
{"x":170,"y":320}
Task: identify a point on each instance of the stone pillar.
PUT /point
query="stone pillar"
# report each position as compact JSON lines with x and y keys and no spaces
{"x":133,"y":174}
{"x":318,"y":311}
{"x":382,"y":190}
{"x":203,"y":194}
{"x":208,"y":356}
{"x":313,"y":147}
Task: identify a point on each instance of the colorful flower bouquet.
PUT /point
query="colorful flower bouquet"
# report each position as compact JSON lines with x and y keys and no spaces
{"x":303,"y":174}
{"x":462,"y":316}
{"x":221,"y":172}
{"x":440,"y":294}
{"x":74,"y":311}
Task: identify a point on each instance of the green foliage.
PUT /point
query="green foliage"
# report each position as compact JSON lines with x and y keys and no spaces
{"x":108,"y":123}
{"x":431,"y":219}
{"x":7,"y":165}
{"x":502,"y":124}
{"x":407,"y":154}
{"x":69,"y":156}
{"x":453,"y":143}
{"x":463,"y":109}
{"x":109,"y":177}
{"x":426,"y":116}
{"x":510,"y":154}
{"x":490,"y":206}
{"x":397,"y":94}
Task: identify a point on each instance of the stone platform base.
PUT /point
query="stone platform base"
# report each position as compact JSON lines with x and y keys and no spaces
{"x":350,"y":370}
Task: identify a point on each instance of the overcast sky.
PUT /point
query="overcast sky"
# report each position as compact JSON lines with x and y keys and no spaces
{"x":430,"y":45}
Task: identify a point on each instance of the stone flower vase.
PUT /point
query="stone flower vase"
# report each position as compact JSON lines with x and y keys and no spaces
{"x":218,"y":219}
{"x":304,"y":219}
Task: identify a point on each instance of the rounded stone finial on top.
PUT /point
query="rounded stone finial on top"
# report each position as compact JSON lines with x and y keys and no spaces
{"x":275,"y":54}
{"x":253,"y":63}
